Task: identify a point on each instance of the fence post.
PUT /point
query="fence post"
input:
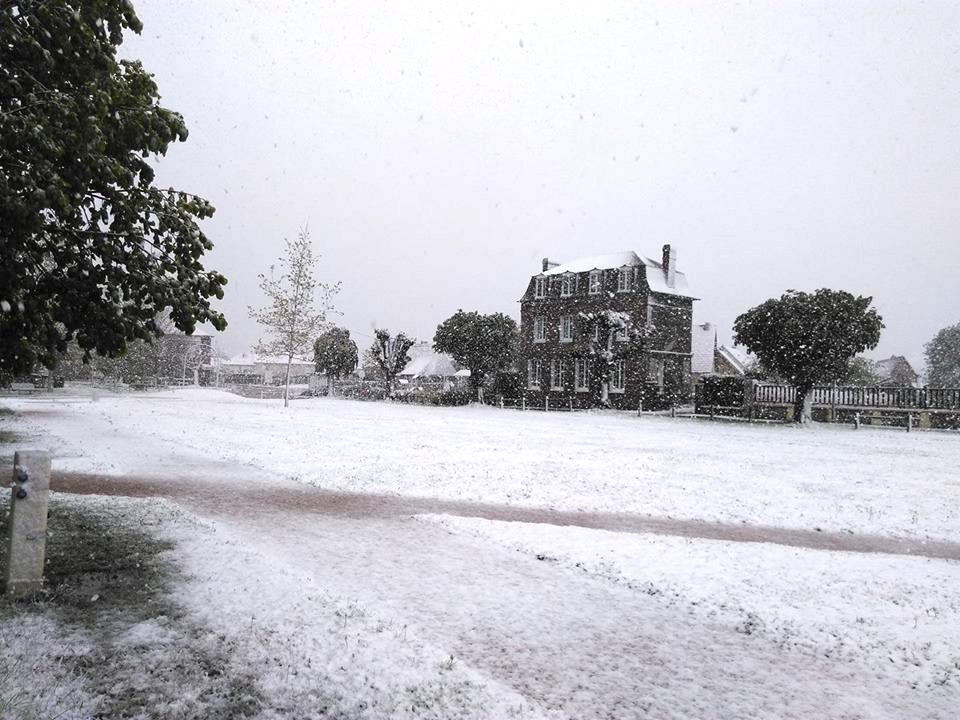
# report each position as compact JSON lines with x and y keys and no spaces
{"x":909,"y":422}
{"x":501,"y":402}
{"x":673,"y":411}
{"x":640,"y":408}
{"x":856,"y":420}
{"x":523,"y":406}
{"x":571,"y":404}
{"x":546,"y":403}
{"x":27,"y":529}
{"x":749,"y":397}
{"x":833,"y":402}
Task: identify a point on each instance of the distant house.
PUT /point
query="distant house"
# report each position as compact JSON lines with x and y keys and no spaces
{"x":252,"y":369}
{"x":430,"y":368}
{"x":563,"y":309}
{"x":895,"y":371}
{"x":709,"y":358}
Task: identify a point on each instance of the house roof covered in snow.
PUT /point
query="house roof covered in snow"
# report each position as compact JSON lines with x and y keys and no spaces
{"x":738,"y":359}
{"x":656,"y":277}
{"x":426,"y":362}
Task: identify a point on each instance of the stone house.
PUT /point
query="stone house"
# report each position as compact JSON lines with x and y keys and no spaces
{"x":608,"y":330}
{"x":252,"y":369}
{"x":709,"y":358}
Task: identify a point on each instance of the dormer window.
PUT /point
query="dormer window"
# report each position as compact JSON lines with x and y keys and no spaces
{"x":623,"y":279}
{"x":568,"y":285}
{"x":540,"y":287}
{"x":595,"y":281}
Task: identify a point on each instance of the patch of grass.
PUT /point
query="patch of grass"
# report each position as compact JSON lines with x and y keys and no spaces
{"x":110,"y":584}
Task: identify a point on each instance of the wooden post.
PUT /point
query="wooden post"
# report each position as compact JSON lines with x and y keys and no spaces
{"x":640,"y":408}
{"x":856,"y":420}
{"x":909,"y":422}
{"x":546,"y":403}
{"x":27,"y":542}
{"x":524,"y":401}
{"x":501,"y":402}
{"x":673,"y":411}
{"x":571,"y":404}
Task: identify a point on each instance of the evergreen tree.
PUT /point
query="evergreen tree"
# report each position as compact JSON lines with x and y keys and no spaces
{"x":483,"y":344}
{"x":809,"y":338}
{"x":335,"y":355}
{"x":943,"y":358}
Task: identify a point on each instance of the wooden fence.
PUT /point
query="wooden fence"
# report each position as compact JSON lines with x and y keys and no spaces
{"x":863,"y":397}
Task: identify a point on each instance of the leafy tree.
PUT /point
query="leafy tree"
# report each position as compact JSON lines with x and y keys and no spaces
{"x":390,"y":354}
{"x":90,"y":248}
{"x":292,"y":318}
{"x":860,"y":371}
{"x":809,"y":338}
{"x":613,"y":336}
{"x":943,"y":358}
{"x":335,"y":354}
{"x":483,"y":344}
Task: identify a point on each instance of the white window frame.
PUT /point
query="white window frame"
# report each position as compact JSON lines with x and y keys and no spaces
{"x":618,"y":372}
{"x":568,"y":285}
{"x":620,"y":335}
{"x":557,"y":371}
{"x":533,"y":374}
{"x":539,"y":329}
{"x":566,"y":328}
{"x":596,"y":282}
{"x":623,"y":279}
{"x":539,"y":287}
{"x":581,"y":374}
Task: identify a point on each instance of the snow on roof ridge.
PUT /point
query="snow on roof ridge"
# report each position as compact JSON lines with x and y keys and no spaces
{"x":596,"y":262}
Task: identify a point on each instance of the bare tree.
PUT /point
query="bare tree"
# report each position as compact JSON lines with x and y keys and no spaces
{"x":295,"y":314}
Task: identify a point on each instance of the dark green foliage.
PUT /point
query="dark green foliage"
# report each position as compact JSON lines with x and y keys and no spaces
{"x":943,"y":358}
{"x":508,"y":385}
{"x":809,"y":338}
{"x":334,"y":353}
{"x":860,"y":372}
{"x":89,"y":248}
{"x":481,"y":343}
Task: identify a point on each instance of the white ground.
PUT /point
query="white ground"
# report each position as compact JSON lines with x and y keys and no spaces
{"x":453,"y":617}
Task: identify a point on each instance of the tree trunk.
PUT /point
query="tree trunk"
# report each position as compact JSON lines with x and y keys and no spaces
{"x":286,"y":383}
{"x":803,"y":406}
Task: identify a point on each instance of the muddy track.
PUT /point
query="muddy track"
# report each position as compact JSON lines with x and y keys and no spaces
{"x":244,"y":499}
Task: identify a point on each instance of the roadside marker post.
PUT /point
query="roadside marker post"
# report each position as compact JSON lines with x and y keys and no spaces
{"x":27,"y":530}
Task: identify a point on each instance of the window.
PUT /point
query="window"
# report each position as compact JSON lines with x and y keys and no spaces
{"x":655,"y":372}
{"x":596,"y":332}
{"x":539,"y":330}
{"x":581,"y":367}
{"x":618,"y":376}
{"x":623,"y":279}
{"x":621,"y":335}
{"x":595,"y":281}
{"x":566,"y":328}
{"x":557,"y":371}
{"x":568,"y":285}
{"x":540,"y":287}
{"x":533,"y":373}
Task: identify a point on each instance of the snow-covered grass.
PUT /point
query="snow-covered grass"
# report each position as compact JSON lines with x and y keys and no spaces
{"x":899,"y":616}
{"x":834,"y":478}
{"x":206,"y":625}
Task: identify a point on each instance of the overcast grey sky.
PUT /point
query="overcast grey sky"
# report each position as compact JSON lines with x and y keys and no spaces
{"x":439,"y":150}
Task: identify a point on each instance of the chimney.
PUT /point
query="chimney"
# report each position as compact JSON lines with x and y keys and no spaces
{"x":670,"y":264}
{"x":546,"y":264}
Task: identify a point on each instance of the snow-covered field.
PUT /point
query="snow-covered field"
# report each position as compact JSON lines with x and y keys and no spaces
{"x":832,"y":478}
{"x":444,"y":616}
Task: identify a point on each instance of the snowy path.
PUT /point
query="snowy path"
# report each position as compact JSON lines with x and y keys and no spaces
{"x":249,"y":499}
